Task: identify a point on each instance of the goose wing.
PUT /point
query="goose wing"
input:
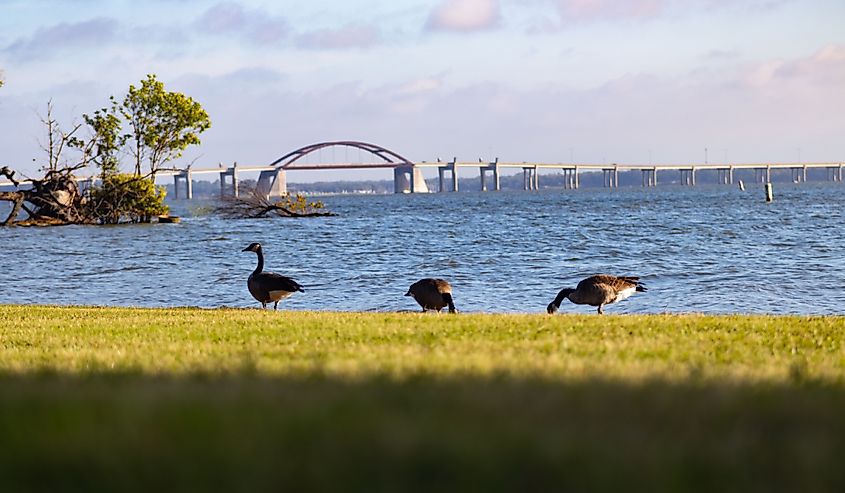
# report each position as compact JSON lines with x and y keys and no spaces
{"x":277,"y":282}
{"x":594,"y":290}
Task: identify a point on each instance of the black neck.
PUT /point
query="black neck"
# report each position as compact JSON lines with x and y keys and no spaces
{"x":260,"y":266}
{"x":562,"y":295}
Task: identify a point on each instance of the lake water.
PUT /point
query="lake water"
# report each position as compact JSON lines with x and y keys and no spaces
{"x":705,"y":249}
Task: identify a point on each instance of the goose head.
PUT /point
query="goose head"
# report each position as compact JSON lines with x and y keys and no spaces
{"x":253,"y":247}
{"x":562,"y":295}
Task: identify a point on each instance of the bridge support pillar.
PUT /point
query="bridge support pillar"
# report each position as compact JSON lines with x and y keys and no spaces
{"x":184,"y":176}
{"x":232,"y":173}
{"x":611,"y":177}
{"x":577,"y":179}
{"x":440,"y":180}
{"x":454,"y":167}
{"x":530,"y":178}
{"x":176,"y":186}
{"x":570,"y":178}
{"x":408,"y":179}
{"x":272,"y":184}
{"x":768,"y":174}
{"x":494,"y":167}
{"x":804,"y":175}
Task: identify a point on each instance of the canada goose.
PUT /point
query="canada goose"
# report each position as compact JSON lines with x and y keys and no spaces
{"x":432,"y":294}
{"x":268,"y":286}
{"x":598,"y":291}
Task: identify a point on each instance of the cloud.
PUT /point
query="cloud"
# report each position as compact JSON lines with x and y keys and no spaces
{"x":792,"y":103}
{"x":48,"y":41}
{"x":464,"y":15}
{"x":346,"y":37}
{"x":826,"y":67}
{"x":254,"y":25}
{"x":609,"y":9}
{"x":583,"y":11}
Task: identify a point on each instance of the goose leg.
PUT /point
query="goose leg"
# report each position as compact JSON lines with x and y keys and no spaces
{"x":601,"y":312}
{"x":276,"y":305}
{"x":263,"y":305}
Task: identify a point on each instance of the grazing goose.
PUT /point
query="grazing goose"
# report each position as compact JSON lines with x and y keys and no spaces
{"x":432,"y":294}
{"x":598,"y":291}
{"x":268,"y":286}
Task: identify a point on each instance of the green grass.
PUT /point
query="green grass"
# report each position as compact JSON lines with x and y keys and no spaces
{"x":135,"y":399}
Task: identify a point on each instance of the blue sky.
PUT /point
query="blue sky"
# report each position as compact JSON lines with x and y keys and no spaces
{"x":528,"y":80}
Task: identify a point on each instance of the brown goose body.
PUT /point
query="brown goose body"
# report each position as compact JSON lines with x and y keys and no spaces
{"x":268,"y":287}
{"x":432,"y":294}
{"x":599,"y":290}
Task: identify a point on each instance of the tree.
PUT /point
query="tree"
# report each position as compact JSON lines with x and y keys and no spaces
{"x":149,"y":123}
{"x":162,"y":124}
{"x":55,"y":198}
{"x":123,"y":197}
{"x":106,"y":139}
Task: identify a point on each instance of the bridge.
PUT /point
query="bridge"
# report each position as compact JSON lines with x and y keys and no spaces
{"x":272,"y":179}
{"x":408,"y":177}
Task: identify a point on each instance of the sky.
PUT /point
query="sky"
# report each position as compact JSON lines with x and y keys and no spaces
{"x":589,"y":81}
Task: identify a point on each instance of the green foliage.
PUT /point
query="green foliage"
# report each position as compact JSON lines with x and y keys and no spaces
{"x":124,"y":198}
{"x":106,"y":140}
{"x":300,"y":204}
{"x":162,"y":124}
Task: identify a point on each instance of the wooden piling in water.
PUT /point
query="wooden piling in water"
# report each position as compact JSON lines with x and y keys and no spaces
{"x":769,"y":194}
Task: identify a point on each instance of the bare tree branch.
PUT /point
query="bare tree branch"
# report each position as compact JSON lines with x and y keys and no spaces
{"x":255,"y":205}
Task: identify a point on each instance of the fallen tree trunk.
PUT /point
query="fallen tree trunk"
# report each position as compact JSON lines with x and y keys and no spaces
{"x":54,"y":199}
{"x":17,"y":199}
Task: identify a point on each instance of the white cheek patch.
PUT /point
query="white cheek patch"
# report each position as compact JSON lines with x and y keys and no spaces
{"x":279,"y":295}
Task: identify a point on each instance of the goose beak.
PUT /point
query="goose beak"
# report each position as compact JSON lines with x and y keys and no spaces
{"x":245,"y":249}
{"x":408,"y":293}
{"x":552,"y":308}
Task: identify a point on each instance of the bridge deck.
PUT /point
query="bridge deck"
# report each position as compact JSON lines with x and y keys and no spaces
{"x":468,"y":164}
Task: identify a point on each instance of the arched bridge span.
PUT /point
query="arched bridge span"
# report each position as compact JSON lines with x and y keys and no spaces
{"x":385,"y":157}
{"x":272,"y":181}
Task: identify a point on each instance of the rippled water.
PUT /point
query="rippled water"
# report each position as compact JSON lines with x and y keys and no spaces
{"x":708,"y":249}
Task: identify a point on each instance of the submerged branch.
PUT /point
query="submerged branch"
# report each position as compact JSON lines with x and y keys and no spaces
{"x":255,"y":205}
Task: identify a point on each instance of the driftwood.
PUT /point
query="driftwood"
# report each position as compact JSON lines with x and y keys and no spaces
{"x":54,"y":199}
{"x":255,"y":205}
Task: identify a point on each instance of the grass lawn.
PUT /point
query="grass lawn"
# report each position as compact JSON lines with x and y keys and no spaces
{"x":120,"y":399}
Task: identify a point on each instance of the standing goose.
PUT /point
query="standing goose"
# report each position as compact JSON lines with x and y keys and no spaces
{"x":598,"y":291}
{"x":268,"y":286}
{"x":432,"y":294}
